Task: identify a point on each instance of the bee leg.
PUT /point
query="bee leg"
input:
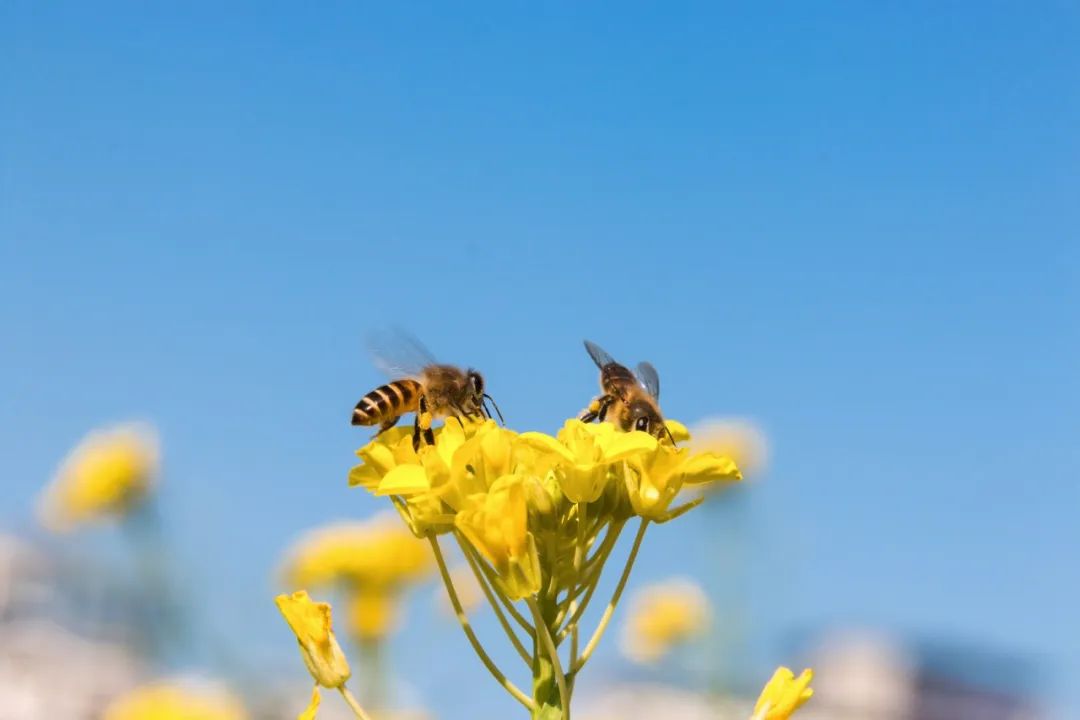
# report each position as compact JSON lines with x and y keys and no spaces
{"x":597,"y":409}
{"x":422,"y":422}
{"x":386,"y":425}
{"x":605,"y":407}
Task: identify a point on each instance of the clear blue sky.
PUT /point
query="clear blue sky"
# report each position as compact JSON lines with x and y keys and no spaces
{"x":856,"y":223}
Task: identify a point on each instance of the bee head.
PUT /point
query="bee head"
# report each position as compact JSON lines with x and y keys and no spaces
{"x":477,"y":396}
{"x":644,"y":417}
{"x":476,"y":383}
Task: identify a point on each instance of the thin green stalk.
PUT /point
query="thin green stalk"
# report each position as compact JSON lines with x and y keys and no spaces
{"x":544,"y":633}
{"x":490,"y":575}
{"x":463,"y":620}
{"x":590,"y":586}
{"x":496,"y":606}
{"x":610,"y":609}
{"x":353,"y":704}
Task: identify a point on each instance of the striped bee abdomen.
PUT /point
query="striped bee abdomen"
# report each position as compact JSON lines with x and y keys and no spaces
{"x":387,"y":402}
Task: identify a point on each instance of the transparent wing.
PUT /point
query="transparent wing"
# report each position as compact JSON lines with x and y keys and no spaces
{"x":598,"y":354}
{"x":398,"y":354}
{"x":648,"y":377}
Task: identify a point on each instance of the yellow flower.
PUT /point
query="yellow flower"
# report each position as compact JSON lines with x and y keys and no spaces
{"x":497,"y":526}
{"x":378,"y":552}
{"x":170,"y":701}
{"x":105,"y":476}
{"x":310,"y":622}
{"x":663,"y":616}
{"x":739,"y":439}
{"x":582,"y":454}
{"x":653,"y":480}
{"x":372,"y":613}
{"x":783,"y":695}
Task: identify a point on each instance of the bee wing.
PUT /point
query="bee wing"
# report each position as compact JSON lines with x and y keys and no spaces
{"x":598,"y":354}
{"x":649,"y":378}
{"x":398,"y":354}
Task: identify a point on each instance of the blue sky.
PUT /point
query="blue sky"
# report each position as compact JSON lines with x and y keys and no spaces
{"x":856,"y":224}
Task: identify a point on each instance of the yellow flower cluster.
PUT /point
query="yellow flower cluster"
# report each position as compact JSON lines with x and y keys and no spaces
{"x":106,"y":476}
{"x":175,"y":701}
{"x":372,"y":561}
{"x":530,"y":502}
{"x":783,"y":695}
{"x":662,"y":616}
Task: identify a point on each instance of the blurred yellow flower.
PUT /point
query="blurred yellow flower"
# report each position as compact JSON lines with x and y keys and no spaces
{"x":662,"y":616}
{"x":783,"y":695}
{"x":378,"y":552}
{"x":372,"y":561}
{"x":737,"y":438}
{"x":107,"y":475}
{"x":310,"y":622}
{"x":373,"y":613}
{"x":175,"y":701}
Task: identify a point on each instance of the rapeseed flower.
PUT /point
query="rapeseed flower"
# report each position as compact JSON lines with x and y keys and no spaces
{"x":311,"y":623}
{"x":106,"y":476}
{"x":537,"y":517}
{"x":783,"y":695}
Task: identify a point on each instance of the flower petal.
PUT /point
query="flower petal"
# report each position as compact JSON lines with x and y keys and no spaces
{"x":404,"y":480}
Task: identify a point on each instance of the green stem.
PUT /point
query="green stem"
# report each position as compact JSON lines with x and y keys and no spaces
{"x":600,"y":557}
{"x":544,"y":633}
{"x":496,"y":606}
{"x":353,"y":704}
{"x":463,"y":620}
{"x":610,"y":609}
{"x":489,"y":573}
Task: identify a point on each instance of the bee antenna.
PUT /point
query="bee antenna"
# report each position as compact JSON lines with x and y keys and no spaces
{"x":494,"y":405}
{"x":670,"y":436}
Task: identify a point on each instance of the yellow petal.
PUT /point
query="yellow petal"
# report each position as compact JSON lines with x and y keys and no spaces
{"x":313,"y":706}
{"x":707,"y":467}
{"x":783,"y":694}
{"x":545,"y":444}
{"x":620,"y":446}
{"x":404,"y":480}
{"x":678,"y":431}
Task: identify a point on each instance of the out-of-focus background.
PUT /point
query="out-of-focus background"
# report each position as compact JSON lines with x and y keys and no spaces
{"x":847,"y":236}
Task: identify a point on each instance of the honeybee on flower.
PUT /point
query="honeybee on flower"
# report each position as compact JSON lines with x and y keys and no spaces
{"x":630,"y":398}
{"x":420,"y":385}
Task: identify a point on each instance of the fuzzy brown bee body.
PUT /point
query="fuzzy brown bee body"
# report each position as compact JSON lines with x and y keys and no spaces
{"x":629,"y":400}
{"x":432,"y":391}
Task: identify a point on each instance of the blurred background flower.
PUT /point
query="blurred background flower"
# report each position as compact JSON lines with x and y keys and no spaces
{"x":177,"y":700}
{"x":105,"y":476}
{"x":741,"y":439}
{"x":663,"y":616}
{"x":370,"y":562}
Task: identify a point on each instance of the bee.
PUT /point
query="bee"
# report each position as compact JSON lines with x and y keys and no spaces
{"x":631,"y":400}
{"x":423,"y":386}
